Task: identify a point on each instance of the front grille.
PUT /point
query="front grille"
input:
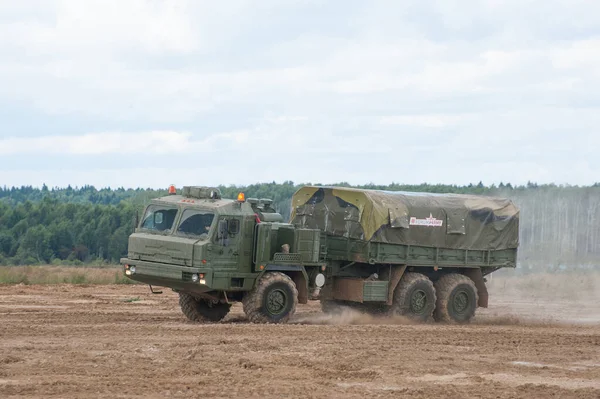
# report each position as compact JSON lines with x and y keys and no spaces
{"x":289,"y":258}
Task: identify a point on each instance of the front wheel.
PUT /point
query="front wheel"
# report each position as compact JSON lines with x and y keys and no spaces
{"x":202,"y":310}
{"x":456,"y":299}
{"x":273,"y":299}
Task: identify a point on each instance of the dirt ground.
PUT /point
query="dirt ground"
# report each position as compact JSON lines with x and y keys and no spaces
{"x":121,"y":341}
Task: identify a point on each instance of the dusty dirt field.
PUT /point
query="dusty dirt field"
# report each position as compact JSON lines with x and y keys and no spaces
{"x":121,"y":341}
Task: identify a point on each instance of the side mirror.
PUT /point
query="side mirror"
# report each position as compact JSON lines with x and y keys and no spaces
{"x":222,"y":229}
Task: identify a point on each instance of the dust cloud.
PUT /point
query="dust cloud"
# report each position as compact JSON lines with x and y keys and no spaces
{"x":349,"y":316}
{"x":538,"y":299}
{"x":570,"y":297}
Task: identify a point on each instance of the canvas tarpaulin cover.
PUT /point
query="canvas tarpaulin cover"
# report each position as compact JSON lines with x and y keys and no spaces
{"x":424,"y":219}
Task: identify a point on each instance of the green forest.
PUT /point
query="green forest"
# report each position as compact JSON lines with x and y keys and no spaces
{"x":560,"y":225}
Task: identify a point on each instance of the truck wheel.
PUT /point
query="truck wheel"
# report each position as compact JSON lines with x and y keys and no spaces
{"x":273,"y":299}
{"x":456,"y":299}
{"x":414,"y":297}
{"x":202,"y":310}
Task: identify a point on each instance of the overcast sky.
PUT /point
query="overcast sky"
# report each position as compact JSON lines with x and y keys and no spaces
{"x":147,"y":93}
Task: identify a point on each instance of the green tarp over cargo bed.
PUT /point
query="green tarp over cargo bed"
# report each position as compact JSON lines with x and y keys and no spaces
{"x":425,"y":219}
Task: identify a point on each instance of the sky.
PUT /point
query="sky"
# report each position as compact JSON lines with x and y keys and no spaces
{"x":150,"y":93}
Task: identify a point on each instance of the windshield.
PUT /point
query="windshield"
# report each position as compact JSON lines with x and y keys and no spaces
{"x":195,"y":222}
{"x":159,"y":218}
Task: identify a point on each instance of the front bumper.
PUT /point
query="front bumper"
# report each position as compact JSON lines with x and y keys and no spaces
{"x":166,"y":275}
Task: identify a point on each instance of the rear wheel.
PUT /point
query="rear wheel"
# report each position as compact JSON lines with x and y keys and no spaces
{"x":414,"y":297}
{"x":456,"y":299}
{"x":273,"y":299}
{"x":202,"y":310}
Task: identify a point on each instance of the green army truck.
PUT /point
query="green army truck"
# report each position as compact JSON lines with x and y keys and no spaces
{"x":411,"y":254}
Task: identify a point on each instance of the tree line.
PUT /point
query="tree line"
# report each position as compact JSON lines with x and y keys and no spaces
{"x":56,"y":232}
{"x":77,"y":195}
{"x":559,"y":225}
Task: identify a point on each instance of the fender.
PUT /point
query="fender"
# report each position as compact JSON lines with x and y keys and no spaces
{"x":477,"y":276}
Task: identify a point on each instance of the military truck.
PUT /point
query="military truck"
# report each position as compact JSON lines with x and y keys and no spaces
{"x":417,"y":255}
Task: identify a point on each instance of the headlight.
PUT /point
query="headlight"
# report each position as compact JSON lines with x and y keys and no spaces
{"x":195,"y":278}
{"x":132,"y":269}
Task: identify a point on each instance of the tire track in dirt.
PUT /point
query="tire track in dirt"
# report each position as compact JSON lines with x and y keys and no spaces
{"x":122,"y":341}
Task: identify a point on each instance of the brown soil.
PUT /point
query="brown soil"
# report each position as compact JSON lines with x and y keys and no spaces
{"x":121,"y":341}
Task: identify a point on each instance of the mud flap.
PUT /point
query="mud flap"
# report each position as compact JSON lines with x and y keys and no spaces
{"x":395,"y":275}
{"x":301,"y":286}
{"x":482,"y":292}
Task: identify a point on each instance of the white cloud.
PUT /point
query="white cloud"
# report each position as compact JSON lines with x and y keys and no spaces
{"x":501,"y":90}
{"x":578,"y":55}
{"x":107,"y":26}
{"x":155,"y":142}
{"x":93,"y":61}
{"x":428,"y":120}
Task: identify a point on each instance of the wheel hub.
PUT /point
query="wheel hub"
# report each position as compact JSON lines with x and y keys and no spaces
{"x":418,"y":302}
{"x":461,"y":302}
{"x":276,"y":301}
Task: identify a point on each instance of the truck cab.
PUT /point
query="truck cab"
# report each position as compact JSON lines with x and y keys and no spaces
{"x":215,"y":251}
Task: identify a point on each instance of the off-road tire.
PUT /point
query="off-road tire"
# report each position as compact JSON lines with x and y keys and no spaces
{"x":263,"y":303}
{"x":201,"y":310}
{"x":456,"y":299}
{"x":414,"y":297}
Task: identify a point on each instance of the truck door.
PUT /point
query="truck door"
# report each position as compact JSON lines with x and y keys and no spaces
{"x":225,"y":248}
